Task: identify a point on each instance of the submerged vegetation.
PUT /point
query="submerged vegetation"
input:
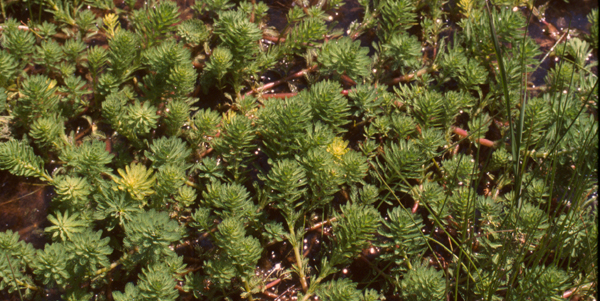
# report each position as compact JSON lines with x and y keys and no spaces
{"x":196,"y":152}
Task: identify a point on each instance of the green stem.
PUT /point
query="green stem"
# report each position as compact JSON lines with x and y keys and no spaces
{"x":112,"y":266}
{"x":300,"y":267}
{"x":544,"y":155}
{"x":46,"y":177}
{"x":248,"y":289}
{"x":29,"y":9}
{"x":307,"y":296}
{"x":28,"y":286}
{"x":298,"y":256}
{"x":3,"y":12}
{"x":14,"y":277}
{"x":515,"y":143}
{"x":410,"y":267}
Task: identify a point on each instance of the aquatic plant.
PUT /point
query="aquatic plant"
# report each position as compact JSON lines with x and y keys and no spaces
{"x":199,"y":152}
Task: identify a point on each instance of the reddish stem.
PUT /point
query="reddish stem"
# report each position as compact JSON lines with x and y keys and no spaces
{"x":206,"y":152}
{"x":348,"y":80}
{"x":273,"y":39}
{"x":270,"y":295}
{"x":485,"y":142}
{"x":252,"y":14}
{"x":418,"y":129}
{"x":82,"y":133}
{"x":279,"y":95}
{"x":108,"y":143}
{"x":272,"y":284}
{"x":460,"y":132}
{"x":415,"y":207}
{"x":465,"y":134}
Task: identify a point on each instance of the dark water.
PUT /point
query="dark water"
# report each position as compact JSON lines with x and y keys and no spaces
{"x":563,"y":16}
{"x":23,"y":207}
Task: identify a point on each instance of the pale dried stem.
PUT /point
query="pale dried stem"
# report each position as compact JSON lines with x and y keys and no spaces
{"x":319,"y":225}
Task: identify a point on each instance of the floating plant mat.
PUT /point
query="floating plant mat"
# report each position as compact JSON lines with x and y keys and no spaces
{"x":298,"y":150}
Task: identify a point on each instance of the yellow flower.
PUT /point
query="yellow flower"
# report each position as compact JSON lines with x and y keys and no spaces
{"x":338,"y":147}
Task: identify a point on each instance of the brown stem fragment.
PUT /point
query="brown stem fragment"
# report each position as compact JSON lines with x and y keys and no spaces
{"x":408,"y":77}
{"x":283,"y":80}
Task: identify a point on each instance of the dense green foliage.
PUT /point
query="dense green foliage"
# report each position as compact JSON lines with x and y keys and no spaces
{"x":405,"y":159}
